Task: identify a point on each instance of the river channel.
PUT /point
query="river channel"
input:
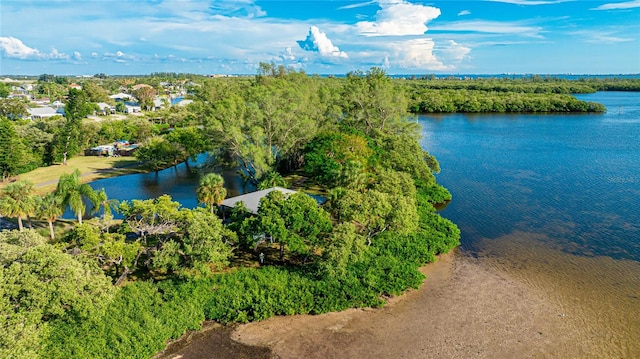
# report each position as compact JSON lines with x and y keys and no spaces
{"x":551,"y":199}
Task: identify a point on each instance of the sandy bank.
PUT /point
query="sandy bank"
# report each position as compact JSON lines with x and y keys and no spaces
{"x":463,"y":310}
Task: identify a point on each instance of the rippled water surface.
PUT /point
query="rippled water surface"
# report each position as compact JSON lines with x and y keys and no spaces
{"x":554,"y":200}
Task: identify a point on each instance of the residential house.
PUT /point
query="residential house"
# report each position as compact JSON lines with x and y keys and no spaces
{"x":133,"y":107}
{"x":39,"y":113}
{"x":105,"y":109}
{"x":121,"y":97}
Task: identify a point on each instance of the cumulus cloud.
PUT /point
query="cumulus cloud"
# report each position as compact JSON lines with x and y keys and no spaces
{"x":77,"y":56}
{"x":319,"y":42}
{"x":118,"y":56}
{"x":415,"y":54}
{"x":11,"y":47}
{"x":398,"y":18}
{"x":287,"y":55}
{"x":454,"y":52}
{"x":14,"y":48}
{"x":619,"y":5}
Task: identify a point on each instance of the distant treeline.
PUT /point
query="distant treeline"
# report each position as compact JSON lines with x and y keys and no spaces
{"x":532,"y":94}
{"x":534,"y":84}
{"x":476,"y":101}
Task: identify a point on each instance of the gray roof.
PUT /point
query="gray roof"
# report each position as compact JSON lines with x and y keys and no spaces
{"x":104,"y":105}
{"x":252,"y":200}
{"x":43,"y":111}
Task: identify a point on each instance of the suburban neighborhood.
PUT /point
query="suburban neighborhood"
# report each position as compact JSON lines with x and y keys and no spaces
{"x":128,"y":100}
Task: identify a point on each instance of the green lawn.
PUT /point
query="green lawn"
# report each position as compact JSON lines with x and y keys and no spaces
{"x":91,"y":168}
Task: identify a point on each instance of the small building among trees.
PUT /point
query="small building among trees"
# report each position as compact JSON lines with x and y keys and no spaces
{"x":252,"y":200}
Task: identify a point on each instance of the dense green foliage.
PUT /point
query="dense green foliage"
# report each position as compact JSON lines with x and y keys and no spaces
{"x":463,"y":100}
{"x":40,"y":283}
{"x":114,"y":289}
{"x":14,"y":156}
{"x":528,"y":94}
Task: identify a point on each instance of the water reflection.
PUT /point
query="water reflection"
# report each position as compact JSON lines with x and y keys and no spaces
{"x":180,"y":182}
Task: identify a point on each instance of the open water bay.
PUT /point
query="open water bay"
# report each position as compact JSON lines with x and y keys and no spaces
{"x":554,"y":200}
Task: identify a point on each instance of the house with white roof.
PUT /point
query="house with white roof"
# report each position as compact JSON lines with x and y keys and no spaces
{"x":39,"y":113}
{"x":121,"y":97}
{"x":105,"y":109}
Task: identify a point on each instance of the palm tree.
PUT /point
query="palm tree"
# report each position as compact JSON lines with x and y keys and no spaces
{"x":211,"y":190}
{"x":18,"y":201}
{"x":272,"y":179}
{"x":73,"y":193}
{"x":103,"y":201}
{"x":107,"y":204}
{"x":49,"y":208}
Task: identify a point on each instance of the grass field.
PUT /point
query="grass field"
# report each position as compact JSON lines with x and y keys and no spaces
{"x":91,"y":168}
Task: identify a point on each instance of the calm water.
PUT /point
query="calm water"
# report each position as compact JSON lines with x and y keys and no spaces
{"x":179,"y":182}
{"x":554,"y":201}
{"x":575,"y":178}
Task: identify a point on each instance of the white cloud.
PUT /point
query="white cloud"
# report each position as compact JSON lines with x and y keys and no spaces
{"x":531,"y":2}
{"x":415,"y":54}
{"x":118,"y":56}
{"x":454,"y":52}
{"x":398,"y":18}
{"x":464,"y":12}
{"x":77,"y":56}
{"x":619,"y":5}
{"x":14,"y":48}
{"x":319,"y":42}
{"x":493,"y":27}
{"x":354,"y":6}
{"x":10,"y":47}
{"x":287,"y":55}
{"x":601,"y":37}
{"x":236,"y":8}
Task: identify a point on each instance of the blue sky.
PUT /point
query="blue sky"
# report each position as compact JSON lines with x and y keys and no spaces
{"x":85,"y":37}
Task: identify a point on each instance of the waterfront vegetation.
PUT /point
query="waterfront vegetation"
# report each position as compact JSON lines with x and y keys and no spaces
{"x":121,"y":288}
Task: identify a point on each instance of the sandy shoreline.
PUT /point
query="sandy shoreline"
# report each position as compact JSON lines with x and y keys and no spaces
{"x":464,"y":309}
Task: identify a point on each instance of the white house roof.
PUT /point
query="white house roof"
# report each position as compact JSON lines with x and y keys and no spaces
{"x":103,"y":105}
{"x":43,"y":111}
{"x":184,"y":102}
{"x":120,"y":96}
{"x":252,"y":200}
